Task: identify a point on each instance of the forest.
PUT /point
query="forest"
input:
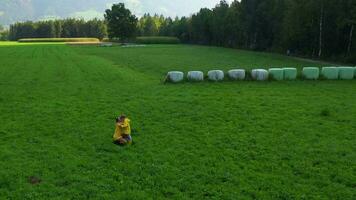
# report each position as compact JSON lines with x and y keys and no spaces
{"x":317,"y":29}
{"x":66,"y":28}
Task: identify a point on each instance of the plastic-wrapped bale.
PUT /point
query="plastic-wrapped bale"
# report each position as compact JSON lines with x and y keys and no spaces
{"x":330,"y":73}
{"x":237,"y":74}
{"x":346,"y":73}
{"x":216,"y":75}
{"x":311,"y":73}
{"x":259,"y":74}
{"x":290,"y":73}
{"x":276,"y":74}
{"x":195,"y":76}
{"x":175,"y":76}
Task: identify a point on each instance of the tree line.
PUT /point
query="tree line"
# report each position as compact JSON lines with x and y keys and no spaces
{"x":65,"y":28}
{"x":317,"y":29}
{"x":4,"y":34}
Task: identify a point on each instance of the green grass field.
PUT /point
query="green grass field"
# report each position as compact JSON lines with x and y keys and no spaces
{"x":229,"y":140}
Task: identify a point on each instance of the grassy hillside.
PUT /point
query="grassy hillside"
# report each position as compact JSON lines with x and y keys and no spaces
{"x":248,"y":140}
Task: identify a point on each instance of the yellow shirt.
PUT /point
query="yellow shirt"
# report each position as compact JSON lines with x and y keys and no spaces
{"x":122,"y":128}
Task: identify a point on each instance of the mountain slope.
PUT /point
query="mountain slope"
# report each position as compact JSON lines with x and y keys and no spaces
{"x":21,"y":10}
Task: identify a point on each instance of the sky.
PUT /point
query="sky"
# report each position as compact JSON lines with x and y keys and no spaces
{"x":168,"y":7}
{"x":23,"y":10}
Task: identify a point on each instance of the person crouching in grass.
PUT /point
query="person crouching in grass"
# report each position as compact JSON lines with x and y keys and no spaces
{"x":122,"y":134}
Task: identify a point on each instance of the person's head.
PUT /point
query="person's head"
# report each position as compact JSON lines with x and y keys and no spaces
{"x":121,"y":118}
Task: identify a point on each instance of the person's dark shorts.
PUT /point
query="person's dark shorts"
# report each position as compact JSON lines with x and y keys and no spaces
{"x":128,"y":139}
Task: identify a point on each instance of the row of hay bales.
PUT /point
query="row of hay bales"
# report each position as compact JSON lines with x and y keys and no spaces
{"x":308,"y":73}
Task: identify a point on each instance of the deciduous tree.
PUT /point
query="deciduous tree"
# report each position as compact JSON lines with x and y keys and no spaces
{"x":121,"y":23}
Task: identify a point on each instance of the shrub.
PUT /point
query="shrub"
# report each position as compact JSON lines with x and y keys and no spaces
{"x":216,"y":75}
{"x":29,"y":40}
{"x":237,"y":74}
{"x":330,"y":73}
{"x":311,"y":73}
{"x":195,"y":76}
{"x":4,"y":35}
{"x":346,"y":73}
{"x":276,"y":74}
{"x":290,"y":73}
{"x":157,"y":40}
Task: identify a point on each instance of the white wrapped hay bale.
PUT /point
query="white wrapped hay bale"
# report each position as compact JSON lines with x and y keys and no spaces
{"x":175,"y":76}
{"x":216,"y":75}
{"x":346,"y":73}
{"x":237,"y":74}
{"x":276,"y":74}
{"x":259,"y":74}
{"x":330,"y":73}
{"x":311,"y":73}
{"x":195,"y":76}
{"x":290,"y":73}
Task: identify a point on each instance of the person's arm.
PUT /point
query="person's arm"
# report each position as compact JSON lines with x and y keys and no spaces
{"x":117,"y":134}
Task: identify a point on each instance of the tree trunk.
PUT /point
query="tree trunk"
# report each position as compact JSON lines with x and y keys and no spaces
{"x":350,"y":40}
{"x":321,"y":29}
{"x":254,"y":40}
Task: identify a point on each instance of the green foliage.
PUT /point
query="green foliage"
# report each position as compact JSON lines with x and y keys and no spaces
{"x":66,"y":28}
{"x":231,"y":140}
{"x":45,"y":29}
{"x":149,"y":26}
{"x":4,"y":35}
{"x":96,"y":28}
{"x":121,"y":23}
{"x":157,"y":40}
{"x":156,"y":25}
{"x":34,"y":40}
{"x":22,"y":30}
{"x":301,"y":27}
